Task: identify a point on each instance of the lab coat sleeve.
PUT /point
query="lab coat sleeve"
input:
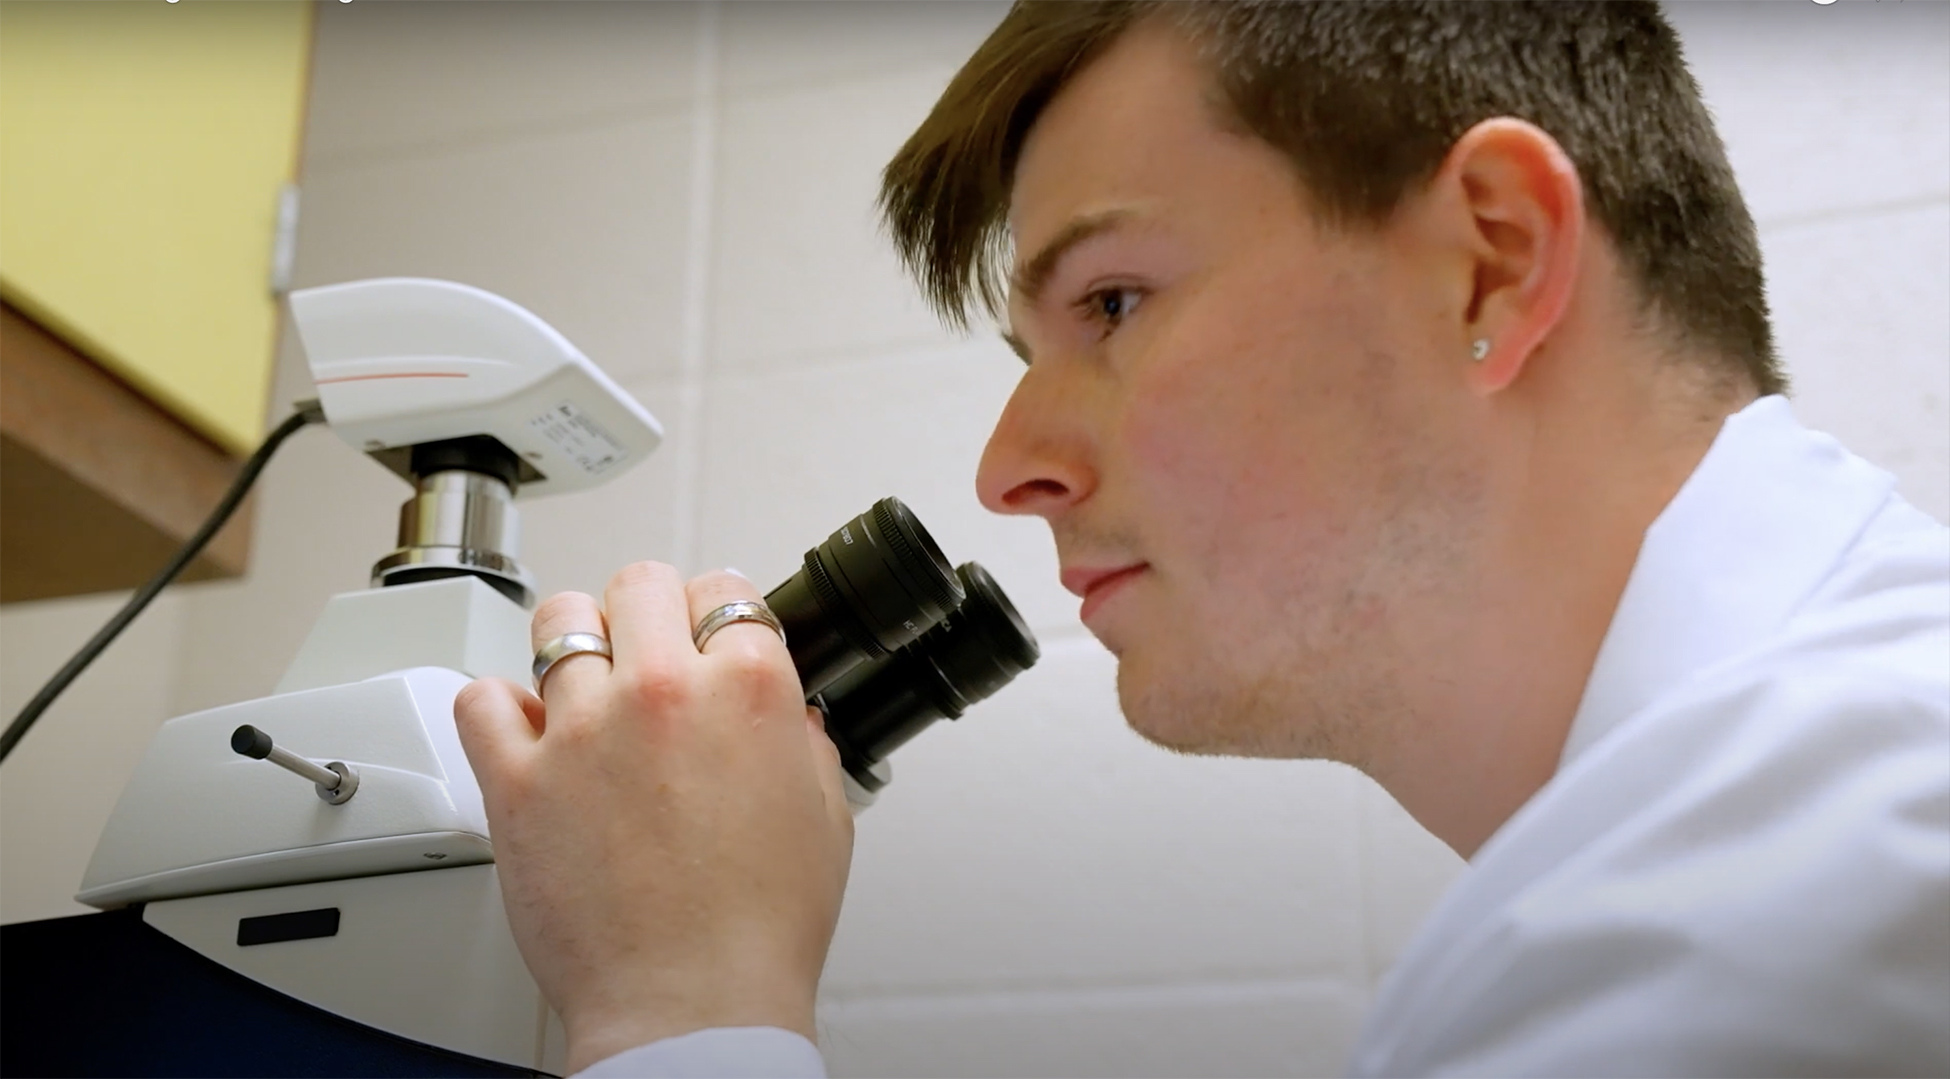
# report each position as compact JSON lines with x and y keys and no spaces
{"x":718,"y":1053}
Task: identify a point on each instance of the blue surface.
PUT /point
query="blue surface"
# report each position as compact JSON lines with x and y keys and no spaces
{"x":107,"y":994}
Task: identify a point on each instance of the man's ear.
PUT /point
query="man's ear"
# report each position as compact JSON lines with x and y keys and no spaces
{"x":1523,"y":232}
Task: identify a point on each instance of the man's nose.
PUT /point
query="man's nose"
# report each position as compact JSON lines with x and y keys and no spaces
{"x":1038,"y":458}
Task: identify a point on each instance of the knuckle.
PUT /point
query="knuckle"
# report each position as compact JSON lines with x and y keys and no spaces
{"x":750,"y":667}
{"x":760,"y":680}
{"x":475,"y":705}
{"x":467,"y":702}
{"x":561,"y":610}
{"x":471,"y":704}
{"x":659,"y":688}
{"x":644,"y":575}
{"x":721,"y":581}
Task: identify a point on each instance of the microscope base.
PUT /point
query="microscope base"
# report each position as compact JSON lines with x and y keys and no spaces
{"x":426,"y":956}
{"x":106,"y":994}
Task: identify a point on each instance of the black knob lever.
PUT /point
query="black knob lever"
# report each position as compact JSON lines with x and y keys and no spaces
{"x":336,"y":782}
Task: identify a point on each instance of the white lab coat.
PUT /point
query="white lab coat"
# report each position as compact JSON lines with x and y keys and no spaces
{"x":1742,"y":864}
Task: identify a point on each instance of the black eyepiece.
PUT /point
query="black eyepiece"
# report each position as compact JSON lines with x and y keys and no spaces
{"x":878,"y":706}
{"x":872,"y":587}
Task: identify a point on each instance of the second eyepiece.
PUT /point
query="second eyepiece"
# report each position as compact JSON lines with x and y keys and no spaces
{"x":887,"y":638}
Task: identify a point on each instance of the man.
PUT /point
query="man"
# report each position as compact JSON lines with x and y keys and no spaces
{"x":1399,"y":391}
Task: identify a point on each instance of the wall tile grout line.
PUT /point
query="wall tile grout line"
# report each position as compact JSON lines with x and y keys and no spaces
{"x":492,"y":137}
{"x":1788,"y":222}
{"x":814,"y":83}
{"x":699,"y":237}
{"x":921,"y":999}
{"x":863,"y":357}
{"x":865,"y":360}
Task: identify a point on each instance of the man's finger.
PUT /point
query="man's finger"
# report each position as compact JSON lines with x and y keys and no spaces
{"x":711,"y":591}
{"x":649,"y":620}
{"x":826,"y":763}
{"x":577,"y":677}
{"x":497,"y":720}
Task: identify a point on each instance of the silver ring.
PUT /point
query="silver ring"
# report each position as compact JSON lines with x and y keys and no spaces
{"x":561,"y":648}
{"x":744,"y":610}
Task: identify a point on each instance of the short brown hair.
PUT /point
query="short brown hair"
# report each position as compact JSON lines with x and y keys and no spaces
{"x":1366,"y":99}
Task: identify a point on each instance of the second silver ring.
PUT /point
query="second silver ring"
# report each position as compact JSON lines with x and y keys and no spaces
{"x":744,"y":610}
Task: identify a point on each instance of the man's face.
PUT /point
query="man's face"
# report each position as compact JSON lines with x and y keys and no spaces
{"x":1242,"y":427}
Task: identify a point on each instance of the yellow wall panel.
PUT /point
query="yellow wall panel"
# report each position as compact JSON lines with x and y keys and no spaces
{"x":143,"y":146}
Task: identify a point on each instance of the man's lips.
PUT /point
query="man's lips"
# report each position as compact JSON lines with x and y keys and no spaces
{"x":1094,"y":585}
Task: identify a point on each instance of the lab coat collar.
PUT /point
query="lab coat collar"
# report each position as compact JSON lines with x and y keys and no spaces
{"x":1754,"y":531}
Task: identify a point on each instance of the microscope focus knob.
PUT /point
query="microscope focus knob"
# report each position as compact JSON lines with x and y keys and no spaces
{"x":335,"y":782}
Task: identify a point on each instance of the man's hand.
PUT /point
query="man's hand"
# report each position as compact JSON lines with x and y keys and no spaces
{"x":669,"y":827}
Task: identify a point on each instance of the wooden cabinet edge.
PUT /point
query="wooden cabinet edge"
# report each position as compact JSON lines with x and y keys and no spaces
{"x":73,"y":337}
{"x":100,"y":484}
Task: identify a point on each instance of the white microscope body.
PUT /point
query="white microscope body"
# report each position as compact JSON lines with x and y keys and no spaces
{"x":378,"y":902}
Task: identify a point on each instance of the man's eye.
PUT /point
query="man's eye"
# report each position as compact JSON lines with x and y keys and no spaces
{"x":1108,"y":307}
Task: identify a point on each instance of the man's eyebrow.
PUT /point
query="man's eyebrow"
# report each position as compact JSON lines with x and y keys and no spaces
{"x":1030,"y":277}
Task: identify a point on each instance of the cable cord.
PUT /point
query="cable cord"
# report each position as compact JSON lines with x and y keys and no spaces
{"x":307,"y":413}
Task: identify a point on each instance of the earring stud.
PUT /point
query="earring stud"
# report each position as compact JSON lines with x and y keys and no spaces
{"x":1480,"y":348}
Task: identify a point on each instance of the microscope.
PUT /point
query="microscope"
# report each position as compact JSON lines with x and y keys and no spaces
{"x":304,"y":884}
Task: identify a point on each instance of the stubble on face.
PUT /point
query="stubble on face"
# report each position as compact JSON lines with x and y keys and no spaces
{"x":1297,"y":631}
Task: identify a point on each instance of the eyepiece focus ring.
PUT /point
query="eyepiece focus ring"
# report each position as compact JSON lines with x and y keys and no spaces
{"x":917,"y":551}
{"x":837,"y":612}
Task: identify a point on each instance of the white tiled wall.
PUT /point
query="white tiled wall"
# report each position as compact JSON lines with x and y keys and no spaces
{"x":1837,"y":118}
{"x":686,"y":191}
{"x":61,"y":781}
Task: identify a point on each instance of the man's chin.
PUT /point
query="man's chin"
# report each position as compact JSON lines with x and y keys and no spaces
{"x":1169,"y":720}
{"x":1206,"y":721}
{"x":1186,"y":743}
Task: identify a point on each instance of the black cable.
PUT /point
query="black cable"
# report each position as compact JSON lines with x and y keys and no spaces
{"x":308,"y":412}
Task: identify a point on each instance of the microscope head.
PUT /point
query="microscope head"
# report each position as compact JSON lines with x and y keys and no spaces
{"x":473,"y":400}
{"x":402,"y":362}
